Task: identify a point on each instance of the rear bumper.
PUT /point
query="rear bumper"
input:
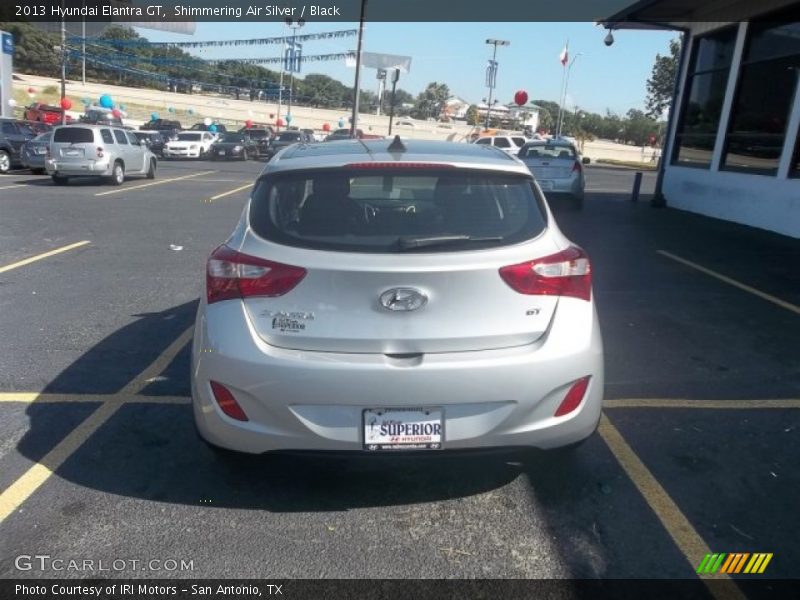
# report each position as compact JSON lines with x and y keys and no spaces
{"x":167,"y":153}
{"x":86,"y":167}
{"x":299,"y":400}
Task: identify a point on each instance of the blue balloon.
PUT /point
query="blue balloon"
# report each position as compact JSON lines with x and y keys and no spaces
{"x":288,"y":118}
{"x":190,"y":111}
{"x":86,"y":101}
{"x":153,"y":116}
{"x":341,"y":123}
{"x":170,"y":109}
{"x":106,"y":101}
{"x":212,"y":128}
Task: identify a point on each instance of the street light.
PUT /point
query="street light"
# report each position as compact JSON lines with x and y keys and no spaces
{"x":294,"y":26}
{"x":491,"y":74}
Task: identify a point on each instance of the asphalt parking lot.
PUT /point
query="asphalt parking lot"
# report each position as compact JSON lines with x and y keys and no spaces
{"x":697,"y":451}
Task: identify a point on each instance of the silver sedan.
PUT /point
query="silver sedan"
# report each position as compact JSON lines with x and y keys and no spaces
{"x":556,"y":166}
{"x":412,"y":296}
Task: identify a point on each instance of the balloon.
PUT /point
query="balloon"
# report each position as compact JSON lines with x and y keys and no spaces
{"x":66,"y":103}
{"x":106,"y":101}
{"x":117,"y":113}
{"x":31,"y":90}
{"x":12,"y":103}
{"x":212,"y":128}
{"x":206,"y":121}
{"x":153,"y":116}
{"x":122,"y":107}
{"x":288,"y":118}
{"x":326,"y":127}
{"x":170,"y":109}
{"x":521,"y":97}
{"x":279,"y":122}
{"x":190,"y":111}
{"x":341,"y":123}
{"x":248,"y":123}
{"x":86,"y":101}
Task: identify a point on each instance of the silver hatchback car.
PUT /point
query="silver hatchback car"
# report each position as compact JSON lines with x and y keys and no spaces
{"x":557,"y":167}
{"x":412,"y":296}
{"x":100,"y":151}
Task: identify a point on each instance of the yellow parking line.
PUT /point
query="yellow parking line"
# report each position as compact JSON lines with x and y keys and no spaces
{"x":47,"y":398}
{"x":160,"y":400}
{"x":228,"y":193}
{"x":159,"y":182}
{"x":674,"y":521}
{"x":19,"y":491}
{"x":706,"y":404}
{"x":38,"y":257}
{"x":733,"y":282}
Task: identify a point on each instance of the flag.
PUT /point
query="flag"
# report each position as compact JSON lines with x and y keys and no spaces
{"x":564,"y":56}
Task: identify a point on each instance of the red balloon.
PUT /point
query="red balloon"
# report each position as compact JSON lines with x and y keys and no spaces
{"x":31,"y":90}
{"x":248,"y":123}
{"x":279,"y":122}
{"x":66,"y":103}
{"x":326,"y":127}
{"x":521,"y":97}
{"x":116,"y":112}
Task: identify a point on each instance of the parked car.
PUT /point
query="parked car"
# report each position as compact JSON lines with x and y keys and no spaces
{"x":556,"y":166}
{"x":261,"y":136}
{"x":189,"y":144}
{"x":13,"y":134}
{"x":169,"y":128}
{"x":344,"y":134}
{"x":109,"y":152}
{"x":510,"y":144}
{"x":101,"y":116}
{"x":234,"y":145}
{"x":154,"y":140}
{"x":39,"y":127}
{"x":203,"y":127}
{"x":405,"y":123}
{"x":34,"y":152}
{"x":467,"y":320}
{"x":45,"y":113}
{"x":287,"y":138}
{"x":316,"y":137}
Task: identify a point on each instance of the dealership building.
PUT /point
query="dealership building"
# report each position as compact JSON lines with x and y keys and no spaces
{"x":732,"y":149}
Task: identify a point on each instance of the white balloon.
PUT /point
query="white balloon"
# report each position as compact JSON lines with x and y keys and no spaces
{"x":12,"y":103}
{"x":207,"y":121}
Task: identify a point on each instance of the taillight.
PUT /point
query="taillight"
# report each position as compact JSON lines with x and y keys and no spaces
{"x":573,"y":398}
{"x":231,"y":274}
{"x":99,"y":152}
{"x":567,"y":273}
{"x":227,"y":402}
{"x":577,"y":167}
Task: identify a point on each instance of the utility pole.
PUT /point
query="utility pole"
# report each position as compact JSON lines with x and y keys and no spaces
{"x":562,"y":112}
{"x":357,"y":83}
{"x":63,"y":64}
{"x":395,"y":78}
{"x":491,"y":74}
{"x":83,"y":48}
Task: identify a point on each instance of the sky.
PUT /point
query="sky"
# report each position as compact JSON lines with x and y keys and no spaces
{"x":456,"y":54}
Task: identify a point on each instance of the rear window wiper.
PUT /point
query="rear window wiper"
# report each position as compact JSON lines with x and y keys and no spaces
{"x":410,"y":243}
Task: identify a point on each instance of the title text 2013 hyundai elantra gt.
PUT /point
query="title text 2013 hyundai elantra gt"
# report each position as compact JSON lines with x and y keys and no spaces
{"x":381,"y":296}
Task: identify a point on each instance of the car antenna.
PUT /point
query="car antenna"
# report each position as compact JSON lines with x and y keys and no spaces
{"x":397,"y":145}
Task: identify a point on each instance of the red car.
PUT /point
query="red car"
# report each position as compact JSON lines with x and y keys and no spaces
{"x":45,"y":113}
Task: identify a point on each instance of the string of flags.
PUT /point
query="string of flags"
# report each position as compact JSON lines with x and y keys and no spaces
{"x":278,"y":60}
{"x":279,"y":40}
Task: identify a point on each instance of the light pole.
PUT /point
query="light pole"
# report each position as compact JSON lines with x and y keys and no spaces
{"x":491,"y":74}
{"x":357,"y":82}
{"x":294,"y":27}
{"x":564,"y":99}
{"x":63,"y":64}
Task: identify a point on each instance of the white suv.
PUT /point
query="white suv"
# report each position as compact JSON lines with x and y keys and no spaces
{"x":510,"y":144}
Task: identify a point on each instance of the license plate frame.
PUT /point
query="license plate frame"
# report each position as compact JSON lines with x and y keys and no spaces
{"x":428,"y":438}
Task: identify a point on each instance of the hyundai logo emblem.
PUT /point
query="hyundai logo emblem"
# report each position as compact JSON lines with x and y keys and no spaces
{"x":403,"y":299}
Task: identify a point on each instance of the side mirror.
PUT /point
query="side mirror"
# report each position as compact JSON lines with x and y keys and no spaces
{"x":586,"y":160}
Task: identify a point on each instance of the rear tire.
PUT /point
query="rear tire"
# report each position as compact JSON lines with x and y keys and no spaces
{"x":117,"y":174}
{"x":5,"y":162}
{"x":59,"y":180}
{"x":151,"y":172}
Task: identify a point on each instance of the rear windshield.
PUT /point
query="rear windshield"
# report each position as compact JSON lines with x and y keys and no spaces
{"x":289,"y":136}
{"x":74,"y":135}
{"x":257,"y":133}
{"x":396,"y":210}
{"x":233,"y":138}
{"x":189,"y":137}
{"x":547,"y":151}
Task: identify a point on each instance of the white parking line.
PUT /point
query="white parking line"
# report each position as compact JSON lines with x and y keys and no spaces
{"x":159,"y":182}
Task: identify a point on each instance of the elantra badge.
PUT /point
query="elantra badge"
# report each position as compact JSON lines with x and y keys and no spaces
{"x":403,"y":299}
